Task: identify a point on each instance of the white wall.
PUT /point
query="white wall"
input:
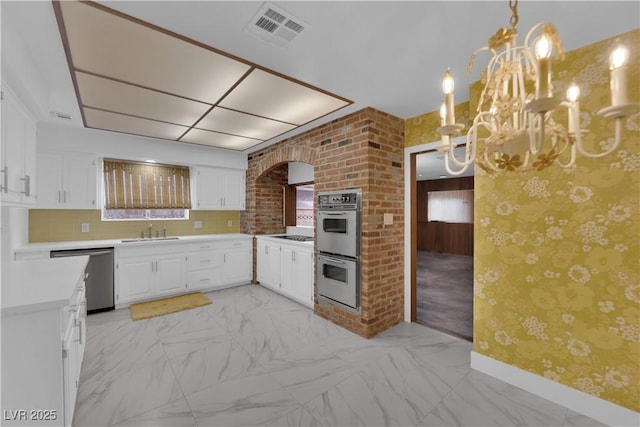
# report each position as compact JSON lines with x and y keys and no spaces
{"x":131,"y":147}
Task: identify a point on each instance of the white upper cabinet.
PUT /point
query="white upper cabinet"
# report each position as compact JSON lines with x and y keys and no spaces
{"x":69,"y":181}
{"x":218,"y":188}
{"x":18,"y":172}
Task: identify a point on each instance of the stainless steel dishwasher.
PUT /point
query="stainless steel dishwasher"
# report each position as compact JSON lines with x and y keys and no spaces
{"x":99,"y":276}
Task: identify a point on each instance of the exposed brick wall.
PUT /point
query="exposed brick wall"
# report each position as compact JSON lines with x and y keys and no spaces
{"x":362,"y":150}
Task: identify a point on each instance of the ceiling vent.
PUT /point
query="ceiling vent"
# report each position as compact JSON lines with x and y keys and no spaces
{"x":59,"y":115}
{"x":275,"y":25}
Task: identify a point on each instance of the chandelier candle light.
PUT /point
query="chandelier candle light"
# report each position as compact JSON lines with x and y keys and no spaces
{"x":508,"y":131}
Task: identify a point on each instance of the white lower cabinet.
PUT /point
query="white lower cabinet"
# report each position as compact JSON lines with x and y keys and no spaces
{"x":42,"y":354}
{"x":238,"y":263}
{"x":296,"y":269}
{"x":160,"y":269}
{"x":286,"y":269}
{"x":268,"y":263}
{"x":219,"y":264}
{"x":150,"y":271}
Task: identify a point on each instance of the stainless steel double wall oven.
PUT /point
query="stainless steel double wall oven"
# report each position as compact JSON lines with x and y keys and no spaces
{"x":338,"y":237}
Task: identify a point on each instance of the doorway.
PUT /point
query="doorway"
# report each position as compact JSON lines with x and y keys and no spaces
{"x":440,"y":265}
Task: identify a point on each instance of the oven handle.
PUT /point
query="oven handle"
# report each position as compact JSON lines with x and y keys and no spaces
{"x":334,"y":260}
{"x":333,"y":213}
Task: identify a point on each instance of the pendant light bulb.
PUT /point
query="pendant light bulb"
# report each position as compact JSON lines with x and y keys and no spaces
{"x":573,"y":92}
{"x":619,"y":57}
{"x":543,"y":47}
{"x":447,"y":83}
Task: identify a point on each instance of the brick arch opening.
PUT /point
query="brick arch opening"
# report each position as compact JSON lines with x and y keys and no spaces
{"x":265,"y":183}
{"x":285,"y":155}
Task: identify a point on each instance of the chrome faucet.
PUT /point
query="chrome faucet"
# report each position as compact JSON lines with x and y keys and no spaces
{"x":150,"y":226}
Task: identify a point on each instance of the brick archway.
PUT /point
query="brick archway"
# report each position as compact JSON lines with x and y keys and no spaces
{"x":285,"y":154}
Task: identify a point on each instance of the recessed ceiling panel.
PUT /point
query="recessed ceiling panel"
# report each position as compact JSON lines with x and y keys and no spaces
{"x":233,"y":122}
{"x":268,"y":95}
{"x":134,"y":77}
{"x":111,"y":95}
{"x":221,"y":140}
{"x":111,"y":45}
{"x":120,"y":123}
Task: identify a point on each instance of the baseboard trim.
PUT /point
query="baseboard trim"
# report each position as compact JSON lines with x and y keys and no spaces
{"x":583,"y":403}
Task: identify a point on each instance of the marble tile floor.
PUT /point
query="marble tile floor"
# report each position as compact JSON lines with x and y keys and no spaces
{"x":255,"y":358}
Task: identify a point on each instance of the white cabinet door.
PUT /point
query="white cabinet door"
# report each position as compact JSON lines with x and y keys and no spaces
{"x":69,"y":181}
{"x":135,"y":279}
{"x":296,"y":273}
{"x":287,"y":270}
{"x":219,"y":188}
{"x":237,"y":266}
{"x":233,"y":190}
{"x":18,"y":142}
{"x":50,"y":182}
{"x":268,"y":264}
{"x":79,"y":177}
{"x":303,"y":273}
{"x":170,"y":274}
{"x":208,"y":188}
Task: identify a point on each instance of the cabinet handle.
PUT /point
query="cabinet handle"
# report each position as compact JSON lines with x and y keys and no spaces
{"x":205,"y":280}
{"x":27,"y":185}
{"x":79,"y":325}
{"x":293,"y":256}
{"x":64,"y":196}
{"x":205,"y":247}
{"x":59,"y":196}
{"x":202,"y":261}
{"x":224,"y":258}
{"x":5,"y":178}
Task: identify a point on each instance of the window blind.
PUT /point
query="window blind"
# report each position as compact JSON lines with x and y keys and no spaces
{"x":137,"y":185}
{"x":454,"y":206}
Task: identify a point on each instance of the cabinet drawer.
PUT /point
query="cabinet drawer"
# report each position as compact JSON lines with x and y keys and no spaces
{"x":204,"y":260}
{"x":237,"y":244}
{"x":202,"y":279}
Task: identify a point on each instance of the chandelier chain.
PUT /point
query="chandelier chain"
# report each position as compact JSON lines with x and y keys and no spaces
{"x":513,"y":5}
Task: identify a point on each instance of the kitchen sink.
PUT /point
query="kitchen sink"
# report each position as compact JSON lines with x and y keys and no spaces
{"x":148,"y":239}
{"x":296,"y":237}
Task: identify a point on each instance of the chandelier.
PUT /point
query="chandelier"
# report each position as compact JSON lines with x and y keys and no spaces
{"x":514,"y":129}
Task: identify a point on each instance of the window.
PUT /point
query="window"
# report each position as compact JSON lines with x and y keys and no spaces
{"x":304,"y":206}
{"x":137,"y":190}
{"x":451,"y":206}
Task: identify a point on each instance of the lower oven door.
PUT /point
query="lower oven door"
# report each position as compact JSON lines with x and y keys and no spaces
{"x":338,"y":279}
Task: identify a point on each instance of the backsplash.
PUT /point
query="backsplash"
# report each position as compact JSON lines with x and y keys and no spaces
{"x":59,"y":225}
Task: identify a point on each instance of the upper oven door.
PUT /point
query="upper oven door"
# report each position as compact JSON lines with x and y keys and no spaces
{"x":338,"y":232}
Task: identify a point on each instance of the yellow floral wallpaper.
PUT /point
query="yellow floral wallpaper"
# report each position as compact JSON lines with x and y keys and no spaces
{"x":422,"y":129}
{"x":557,"y":253}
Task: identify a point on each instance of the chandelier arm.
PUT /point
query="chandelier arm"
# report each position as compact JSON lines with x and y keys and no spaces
{"x":452,"y":172}
{"x":533,"y":29}
{"x":572,"y":159}
{"x":536,"y":142}
{"x":490,"y":162}
{"x":470,"y":153}
{"x":618,"y":137}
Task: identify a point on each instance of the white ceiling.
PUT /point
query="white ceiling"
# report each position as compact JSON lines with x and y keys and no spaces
{"x":389,"y":55}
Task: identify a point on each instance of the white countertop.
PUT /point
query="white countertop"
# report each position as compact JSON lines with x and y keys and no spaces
{"x":85,"y":244}
{"x":29,"y":286}
{"x":275,"y":238}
